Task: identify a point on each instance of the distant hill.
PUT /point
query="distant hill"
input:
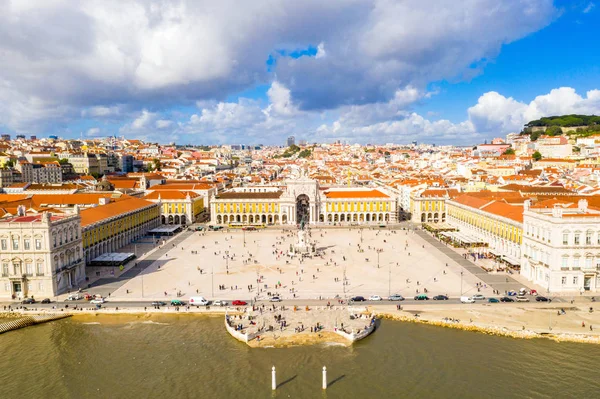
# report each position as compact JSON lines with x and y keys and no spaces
{"x":572,"y":125}
{"x":566,"y":120}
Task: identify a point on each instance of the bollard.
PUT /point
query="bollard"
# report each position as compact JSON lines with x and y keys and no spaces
{"x":273,"y":379}
{"x":324,"y":377}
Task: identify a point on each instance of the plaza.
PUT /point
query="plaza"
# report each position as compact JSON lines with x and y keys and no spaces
{"x":247,"y":265}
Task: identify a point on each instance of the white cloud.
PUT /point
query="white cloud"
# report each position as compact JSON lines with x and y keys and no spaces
{"x":493,"y":115}
{"x":281,"y":100}
{"x":496,"y":113}
{"x":589,"y":7}
{"x":163,"y":123}
{"x":159,"y":54}
{"x":321,"y":53}
{"x":92,"y":132}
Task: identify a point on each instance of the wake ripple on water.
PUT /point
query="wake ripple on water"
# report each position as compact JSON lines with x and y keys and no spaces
{"x":91,"y":323}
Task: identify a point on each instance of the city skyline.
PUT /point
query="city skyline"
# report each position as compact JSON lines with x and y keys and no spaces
{"x":373,"y":72}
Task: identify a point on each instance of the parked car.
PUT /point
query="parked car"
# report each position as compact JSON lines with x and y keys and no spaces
{"x":421,"y":297}
{"x":219,"y":303}
{"x":506,"y":299}
{"x":396,"y":297}
{"x":97,"y":301}
{"x":46,"y":300}
{"x":28,"y":301}
{"x":493,"y":300}
{"x":440,"y":298}
{"x":358,"y":299}
{"x":74,"y":297}
{"x":467,"y":299}
{"x":159,"y":303}
{"x":275,"y":299}
{"x":237,"y":302}
{"x":478,"y":297}
{"x":375,"y":298}
{"x":177,"y":302}
{"x":542,"y":299}
{"x":521,"y":298}
{"x":512,"y":293}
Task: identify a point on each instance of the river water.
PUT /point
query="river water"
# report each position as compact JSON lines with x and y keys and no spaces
{"x":187,"y":356}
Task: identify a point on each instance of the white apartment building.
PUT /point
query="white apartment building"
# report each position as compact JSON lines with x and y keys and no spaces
{"x":561,"y":246}
{"x":40,"y":255}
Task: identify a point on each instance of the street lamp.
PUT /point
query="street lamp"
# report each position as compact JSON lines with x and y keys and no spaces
{"x":461,"y":288}
{"x":389,"y":279}
{"x":212,"y":278}
{"x":244,"y":231}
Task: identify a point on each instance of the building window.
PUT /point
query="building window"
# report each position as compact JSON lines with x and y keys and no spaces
{"x":575,"y":280}
{"x":5,"y":270}
{"x":564,"y":281}
{"x":41,"y":286}
{"x":40,"y":269}
{"x":576,"y":239}
{"x":26,"y":244}
{"x":15,"y":243}
{"x":565,"y":262}
{"x":576,"y":262}
{"x":588,"y":238}
{"x":4,"y":244}
{"x":565,"y":238}
{"x":38,"y":244}
{"x":29,"y":269}
{"x":588,"y":263}
{"x":6,"y":287}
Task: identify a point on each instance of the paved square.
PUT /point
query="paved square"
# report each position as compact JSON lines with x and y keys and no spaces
{"x":396,"y":261}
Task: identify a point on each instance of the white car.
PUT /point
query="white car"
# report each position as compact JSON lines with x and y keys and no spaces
{"x":275,"y":299}
{"x":467,"y":299}
{"x":521,"y":298}
{"x":375,"y":298}
{"x":97,"y":301}
{"x":478,"y":297}
{"x":219,"y":303}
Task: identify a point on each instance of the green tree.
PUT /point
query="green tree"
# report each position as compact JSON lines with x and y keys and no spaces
{"x":305,"y":153}
{"x":63,"y":161}
{"x":554,"y":131}
{"x":10,"y":163}
{"x":156,"y":164}
{"x":509,"y":151}
{"x":536,"y":156}
{"x":535,"y":135}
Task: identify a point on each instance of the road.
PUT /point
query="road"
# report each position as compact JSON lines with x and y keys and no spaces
{"x":299,"y":302}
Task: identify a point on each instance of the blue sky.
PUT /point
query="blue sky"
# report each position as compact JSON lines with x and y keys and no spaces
{"x":368,"y":71}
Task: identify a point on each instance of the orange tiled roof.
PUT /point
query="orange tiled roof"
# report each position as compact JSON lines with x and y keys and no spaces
{"x":99,"y":213}
{"x":170,"y":195}
{"x":356,"y":194}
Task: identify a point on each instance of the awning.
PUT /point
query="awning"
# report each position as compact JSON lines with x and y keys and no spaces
{"x":511,"y":260}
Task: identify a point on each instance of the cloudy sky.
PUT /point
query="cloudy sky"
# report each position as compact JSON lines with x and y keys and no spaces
{"x":365,"y":71}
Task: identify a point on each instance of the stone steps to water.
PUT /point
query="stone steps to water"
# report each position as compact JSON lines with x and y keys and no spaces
{"x":27,"y":321}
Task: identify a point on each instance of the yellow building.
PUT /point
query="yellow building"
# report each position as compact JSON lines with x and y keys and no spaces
{"x":270,"y":205}
{"x":178,"y":207}
{"x":360,"y":206}
{"x":493,"y":221}
{"x":107,"y":228}
{"x":429,"y":206}
{"x":247,"y":208}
